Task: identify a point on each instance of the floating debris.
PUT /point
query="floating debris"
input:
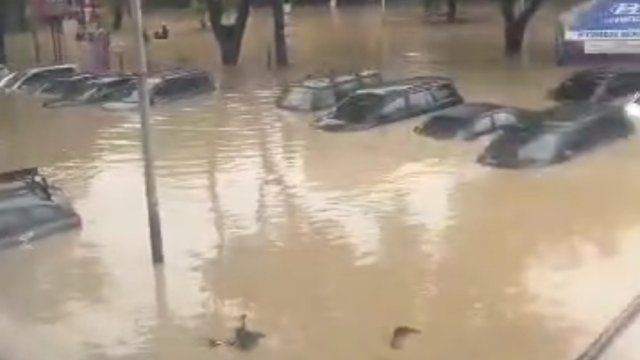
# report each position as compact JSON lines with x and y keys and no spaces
{"x":243,"y":340}
{"x":400,"y":333}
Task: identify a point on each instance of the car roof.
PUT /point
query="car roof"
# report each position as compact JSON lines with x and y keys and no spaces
{"x":469,"y":110}
{"x":569,"y":115}
{"x":328,"y":81}
{"x":415,"y":83}
{"x":53,"y":67}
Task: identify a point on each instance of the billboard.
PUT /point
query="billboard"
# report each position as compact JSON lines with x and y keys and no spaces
{"x":607,"y":20}
{"x":49,"y":9}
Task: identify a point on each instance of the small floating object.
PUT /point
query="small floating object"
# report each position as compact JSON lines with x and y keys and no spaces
{"x":400,"y":333}
{"x":243,"y":340}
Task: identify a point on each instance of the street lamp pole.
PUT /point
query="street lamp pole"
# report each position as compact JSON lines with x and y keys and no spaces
{"x":155,"y":231}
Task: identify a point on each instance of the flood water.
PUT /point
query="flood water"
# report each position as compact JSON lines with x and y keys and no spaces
{"x":326,"y":241}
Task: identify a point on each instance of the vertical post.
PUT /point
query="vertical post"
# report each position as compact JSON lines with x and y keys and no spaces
{"x":155,"y":232}
{"x":3,"y":51}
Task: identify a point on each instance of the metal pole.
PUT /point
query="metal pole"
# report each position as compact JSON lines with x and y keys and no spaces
{"x":149,"y":176}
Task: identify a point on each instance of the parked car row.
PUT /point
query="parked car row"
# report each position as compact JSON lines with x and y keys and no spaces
{"x":64,"y":85}
{"x":30,"y":208}
{"x":589,"y":115}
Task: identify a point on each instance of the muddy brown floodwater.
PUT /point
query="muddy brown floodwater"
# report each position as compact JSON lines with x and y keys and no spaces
{"x":327,"y":241}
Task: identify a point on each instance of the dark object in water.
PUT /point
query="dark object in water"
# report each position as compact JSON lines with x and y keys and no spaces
{"x":243,"y":339}
{"x":400,"y":333}
{"x":163,"y":34}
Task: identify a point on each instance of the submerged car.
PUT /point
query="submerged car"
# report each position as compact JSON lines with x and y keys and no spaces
{"x":316,"y":94}
{"x":59,"y":86}
{"x":390,"y":103}
{"x":92,"y":91}
{"x":32,"y":79}
{"x":469,"y":121}
{"x":557,"y":135}
{"x":599,"y":84}
{"x":31,"y":209}
{"x":164,"y":88}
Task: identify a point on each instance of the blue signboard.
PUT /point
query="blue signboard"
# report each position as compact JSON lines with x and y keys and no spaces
{"x":607,"y":20}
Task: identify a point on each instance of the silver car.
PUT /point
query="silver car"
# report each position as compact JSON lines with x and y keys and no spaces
{"x":31,"y":209}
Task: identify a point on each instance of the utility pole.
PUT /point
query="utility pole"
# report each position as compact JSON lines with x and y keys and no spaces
{"x":155,"y":231}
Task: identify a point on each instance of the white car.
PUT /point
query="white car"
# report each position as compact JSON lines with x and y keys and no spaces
{"x":36,"y":77}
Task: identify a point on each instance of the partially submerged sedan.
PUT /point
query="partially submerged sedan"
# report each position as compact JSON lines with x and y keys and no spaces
{"x":316,"y":94}
{"x":557,"y":135}
{"x":31,"y":209}
{"x":58,"y":87}
{"x":92,"y":91}
{"x":469,"y":121}
{"x":164,"y":88}
{"x":598,"y":84}
{"x":391,"y":103}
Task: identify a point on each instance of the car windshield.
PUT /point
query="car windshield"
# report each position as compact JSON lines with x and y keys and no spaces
{"x":359,"y":107}
{"x":543,"y":146}
{"x":68,"y":89}
{"x":126,"y":94}
{"x":297,"y":97}
{"x":15,"y":78}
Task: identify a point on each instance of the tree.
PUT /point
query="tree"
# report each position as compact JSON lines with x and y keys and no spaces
{"x":118,"y":14}
{"x":517,"y":14}
{"x":3,"y":53}
{"x":452,"y":9}
{"x":228,"y":23}
{"x":282,"y":58}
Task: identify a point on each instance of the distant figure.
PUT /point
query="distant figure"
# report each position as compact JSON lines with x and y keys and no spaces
{"x":201,"y":11}
{"x":243,"y":339}
{"x":145,"y":37}
{"x":400,"y":334}
{"x":99,"y":42}
{"x":163,"y":34}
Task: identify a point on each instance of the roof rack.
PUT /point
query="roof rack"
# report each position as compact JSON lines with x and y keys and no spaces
{"x":32,"y":178}
{"x":21,"y":174}
{"x":332,"y":78}
{"x":418,"y":83}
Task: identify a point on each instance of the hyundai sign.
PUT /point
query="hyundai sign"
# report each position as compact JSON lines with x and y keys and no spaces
{"x":607,"y":20}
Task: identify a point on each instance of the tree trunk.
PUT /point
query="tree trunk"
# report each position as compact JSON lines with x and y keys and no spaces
{"x":515,"y":23}
{"x":118,"y":13}
{"x":282,"y":58}
{"x":229,"y":37}
{"x":514,"y":37}
{"x":452,"y":10}
{"x":3,"y":52}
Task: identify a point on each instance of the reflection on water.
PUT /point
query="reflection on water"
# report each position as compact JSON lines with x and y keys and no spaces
{"x":326,"y":241}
